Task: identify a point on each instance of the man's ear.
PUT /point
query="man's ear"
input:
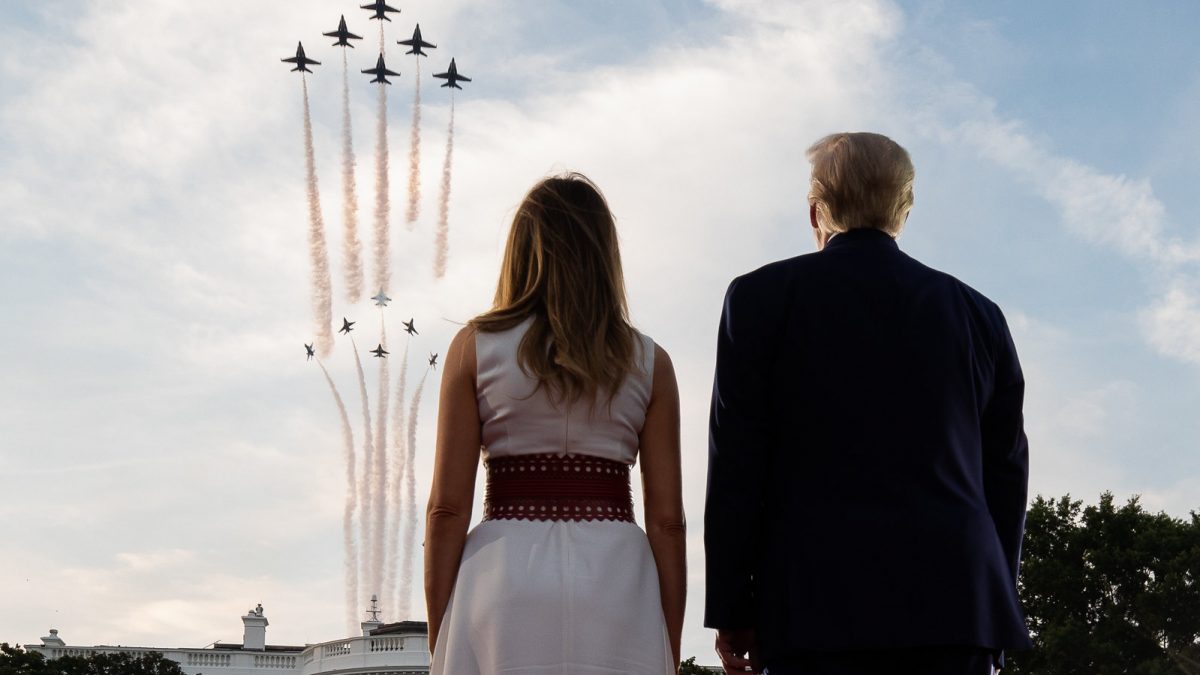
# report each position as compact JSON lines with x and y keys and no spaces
{"x":812,"y":215}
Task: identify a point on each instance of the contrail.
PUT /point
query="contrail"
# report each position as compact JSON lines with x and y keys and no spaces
{"x":351,"y":244}
{"x":414,"y":156}
{"x":392,"y":540}
{"x":410,"y":529}
{"x":351,"y":503}
{"x":366,"y":504}
{"x":378,"y":548}
{"x":322,"y":298}
{"x":382,"y":205}
{"x":442,"y":244}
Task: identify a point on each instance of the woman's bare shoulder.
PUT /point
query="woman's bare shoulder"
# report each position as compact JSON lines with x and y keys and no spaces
{"x":460,"y":355}
{"x":664,"y":370}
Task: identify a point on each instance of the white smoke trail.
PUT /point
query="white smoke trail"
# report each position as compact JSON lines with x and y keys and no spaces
{"x":410,"y":526}
{"x":378,"y":548}
{"x":396,"y":493}
{"x":366,"y":482}
{"x":442,"y":244}
{"x":351,"y":244}
{"x":382,"y":204}
{"x":414,"y":156}
{"x":351,"y":550}
{"x":322,"y":299}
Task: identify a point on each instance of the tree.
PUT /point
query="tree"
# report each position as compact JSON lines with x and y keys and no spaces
{"x":689,"y":667}
{"x":1109,"y":590}
{"x":17,"y":661}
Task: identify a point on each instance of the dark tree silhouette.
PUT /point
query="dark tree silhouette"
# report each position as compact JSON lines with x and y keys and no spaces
{"x":1109,"y":590}
{"x":688,"y":667}
{"x":17,"y":661}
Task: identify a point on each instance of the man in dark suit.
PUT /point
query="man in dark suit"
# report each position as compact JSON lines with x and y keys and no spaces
{"x":867,"y":463}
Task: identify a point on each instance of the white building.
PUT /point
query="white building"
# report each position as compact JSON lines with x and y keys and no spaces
{"x":383,"y":649}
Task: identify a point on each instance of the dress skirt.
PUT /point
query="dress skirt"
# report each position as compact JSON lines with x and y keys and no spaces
{"x":540,"y":597}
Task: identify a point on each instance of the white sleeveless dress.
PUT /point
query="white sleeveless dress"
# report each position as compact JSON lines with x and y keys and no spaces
{"x":538,"y":597}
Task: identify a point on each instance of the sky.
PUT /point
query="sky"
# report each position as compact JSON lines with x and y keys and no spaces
{"x":168,"y":458}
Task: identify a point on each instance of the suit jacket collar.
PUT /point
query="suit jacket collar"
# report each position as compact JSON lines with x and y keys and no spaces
{"x":862,"y":237}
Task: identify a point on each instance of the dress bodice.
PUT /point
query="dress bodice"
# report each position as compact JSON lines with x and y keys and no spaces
{"x":520,"y":418}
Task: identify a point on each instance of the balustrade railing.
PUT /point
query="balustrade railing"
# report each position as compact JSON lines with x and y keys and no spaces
{"x":339,"y":649}
{"x":387,"y":644}
{"x":209,"y":659}
{"x":276,"y":661}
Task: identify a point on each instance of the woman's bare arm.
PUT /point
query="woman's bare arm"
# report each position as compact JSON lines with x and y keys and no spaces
{"x":454,"y":467}
{"x":662,"y":488}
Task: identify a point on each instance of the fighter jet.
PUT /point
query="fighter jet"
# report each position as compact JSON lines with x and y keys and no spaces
{"x":452,"y":77}
{"x":380,"y":352}
{"x":381,"y":9}
{"x":432,"y":360}
{"x":381,"y":72}
{"x":346,"y":323}
{"x":343,"y":35}
{"x":416,"y":43}
{"x":408,"y":327}
{"x":302,"y":62}
{"x":309,"y":348}
{"x":382,"y":299}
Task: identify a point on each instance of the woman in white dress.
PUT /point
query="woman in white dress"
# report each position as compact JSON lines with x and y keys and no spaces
{"x":560,"y":396}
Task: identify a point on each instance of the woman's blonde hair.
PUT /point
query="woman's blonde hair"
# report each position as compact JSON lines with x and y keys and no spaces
{"x":860,"y":180}
{"x":562,"y":267}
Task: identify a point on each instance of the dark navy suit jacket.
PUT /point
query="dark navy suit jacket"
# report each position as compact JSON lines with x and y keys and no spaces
{"x":867,"y":463}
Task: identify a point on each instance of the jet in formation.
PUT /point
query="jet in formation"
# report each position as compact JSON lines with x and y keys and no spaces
{"x":408,"y":327}
{"x":343,"y":35}
{"x":382,"y":299}
{"x":452,"y":77}
{"x":346,"y":323}
{"x":309,"y":348}
{"x":432,"y":360}
{"x":380,"y":352}
{"x":381,"y":9}
{"x":302,"y":62}
{"x":416,"y":43}
{"x":381,"y":72}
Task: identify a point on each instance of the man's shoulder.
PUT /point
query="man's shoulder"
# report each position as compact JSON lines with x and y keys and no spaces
{"x":773,"y":273}
{"x":969,"y":294}
{"x":764,"y":288}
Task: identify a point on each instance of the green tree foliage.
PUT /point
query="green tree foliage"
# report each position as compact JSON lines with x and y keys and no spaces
{"x":17,"y":661}
{"x":1109,"y":589}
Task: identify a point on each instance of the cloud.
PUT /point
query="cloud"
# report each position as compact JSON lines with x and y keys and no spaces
{"x":1110,"y":210}
{"x":1172,"y":324}
{"x":1097,"y":413}
{"x":155,"y":560}
{"x":1116,"y":212}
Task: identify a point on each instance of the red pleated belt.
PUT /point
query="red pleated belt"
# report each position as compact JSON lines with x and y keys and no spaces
{"x":557,"y":487}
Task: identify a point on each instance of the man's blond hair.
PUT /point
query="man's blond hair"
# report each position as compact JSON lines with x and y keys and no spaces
{"x":860,"y":180}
